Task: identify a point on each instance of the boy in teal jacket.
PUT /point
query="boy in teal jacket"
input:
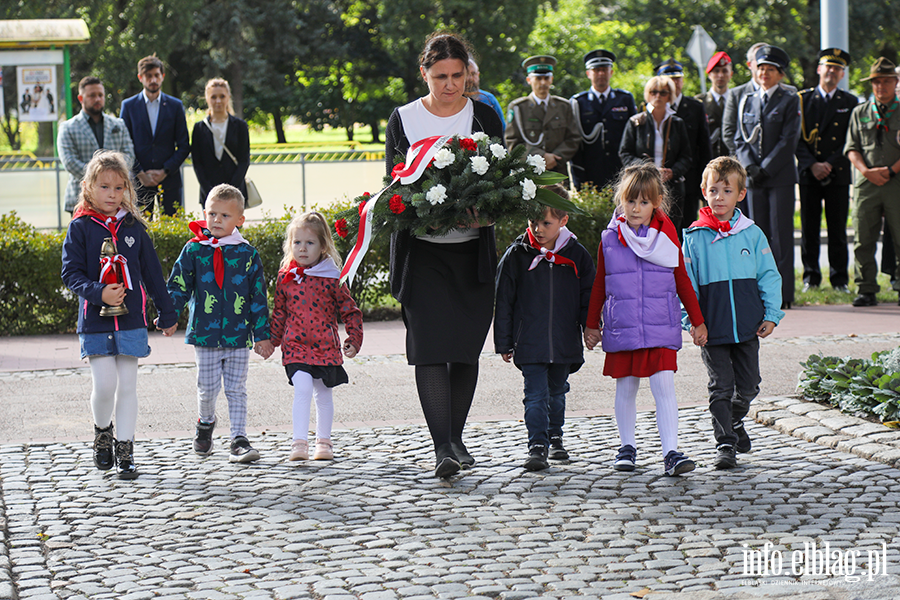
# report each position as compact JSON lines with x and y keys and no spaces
{"x":738,"y":285}
{"x":221,"y":275}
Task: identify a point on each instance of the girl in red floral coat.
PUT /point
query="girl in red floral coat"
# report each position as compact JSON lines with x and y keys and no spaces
{"x":308,"y":299}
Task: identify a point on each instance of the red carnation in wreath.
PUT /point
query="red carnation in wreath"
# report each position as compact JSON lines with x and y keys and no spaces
{"x":396,"y":204}
{"x":341,"y":227}
{"x":468,"y":144}
{"x":397,"y":168}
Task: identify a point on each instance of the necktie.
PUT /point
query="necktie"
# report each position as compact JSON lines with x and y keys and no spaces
{"x":602,"y":102}
{"x":722,"y":102}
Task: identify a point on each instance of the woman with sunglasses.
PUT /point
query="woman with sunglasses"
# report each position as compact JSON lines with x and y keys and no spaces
{"x":658,"y":135}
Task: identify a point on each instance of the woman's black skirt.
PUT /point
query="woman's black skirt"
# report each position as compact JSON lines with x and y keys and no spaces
{"x":331,"y":376}
{"x":448,"y":312}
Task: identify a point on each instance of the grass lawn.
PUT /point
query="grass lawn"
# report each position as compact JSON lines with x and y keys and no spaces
{"x":825,"y":295}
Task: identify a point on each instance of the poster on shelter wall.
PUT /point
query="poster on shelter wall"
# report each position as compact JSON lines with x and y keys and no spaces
{"x":36,"y":97}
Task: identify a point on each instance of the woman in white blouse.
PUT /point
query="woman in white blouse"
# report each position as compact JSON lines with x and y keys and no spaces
{"x":444,"y":284}
{"x":220,"y":143}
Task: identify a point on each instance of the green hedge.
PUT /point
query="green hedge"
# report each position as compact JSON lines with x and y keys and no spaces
{"x":33,"y":299}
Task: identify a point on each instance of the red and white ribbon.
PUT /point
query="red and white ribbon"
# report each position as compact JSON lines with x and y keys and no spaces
{"x":108,"y":270}
{"x":418,"y":157}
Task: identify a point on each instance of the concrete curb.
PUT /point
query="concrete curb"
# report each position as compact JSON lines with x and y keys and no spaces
{"x":829,"y":427}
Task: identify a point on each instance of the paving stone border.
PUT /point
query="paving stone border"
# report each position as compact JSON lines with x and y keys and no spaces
{"x":830,"y":427}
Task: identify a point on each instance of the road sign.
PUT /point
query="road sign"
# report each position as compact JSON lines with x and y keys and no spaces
{"x":700,"y":48}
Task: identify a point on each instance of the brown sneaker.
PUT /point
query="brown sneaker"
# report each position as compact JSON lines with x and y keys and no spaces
{"x":324,"y":450}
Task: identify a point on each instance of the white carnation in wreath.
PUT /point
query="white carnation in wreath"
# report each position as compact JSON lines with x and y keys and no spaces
{"x":498,"y":151}
{"x":538,"y":162}
{"x":479,"y":136}
{"x":443,"y":158}
{"x":480,"y":164}
{"x":438,"y":194}
{"x":528,"y":189}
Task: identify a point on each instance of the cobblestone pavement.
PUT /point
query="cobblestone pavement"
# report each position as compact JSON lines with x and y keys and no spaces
{"x":373,"y":524}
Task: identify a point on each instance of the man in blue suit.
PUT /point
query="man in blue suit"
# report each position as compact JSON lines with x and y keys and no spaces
{"x":768,"y":129}
{"x":159,"y":132}
{"x":601,"y":113}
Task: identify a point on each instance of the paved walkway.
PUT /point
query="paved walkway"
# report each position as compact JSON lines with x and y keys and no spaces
{"x":373,"y":524}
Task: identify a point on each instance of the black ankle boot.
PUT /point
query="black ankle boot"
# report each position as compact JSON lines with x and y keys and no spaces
{"x":462,"y":454}
{"x":125,"y":460}
{"x":103,"y":447}
{"x":447,"y":463}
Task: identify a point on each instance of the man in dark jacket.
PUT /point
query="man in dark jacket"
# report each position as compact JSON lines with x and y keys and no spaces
{"x":824,"y":170}
{"x":720,"y":71}
{"x":543,"y":292}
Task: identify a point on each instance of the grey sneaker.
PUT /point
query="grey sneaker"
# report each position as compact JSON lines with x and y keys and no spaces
{"x":242,"y":451}
{"x":203,"y":442}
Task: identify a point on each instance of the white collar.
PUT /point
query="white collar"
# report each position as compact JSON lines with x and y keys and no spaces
{"x":716,"y":95}
{"x":825,"y":95}
{"x":677,"y":101}
{"x":148,"y":100}
{"x":538,"y":101}
{"x":605,"y":95}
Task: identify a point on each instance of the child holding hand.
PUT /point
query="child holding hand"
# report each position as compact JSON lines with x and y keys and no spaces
{"x":732,"y":268}
{"x":640,"y":278}
{"x":114,"y":342}
{"x":308,"y":300}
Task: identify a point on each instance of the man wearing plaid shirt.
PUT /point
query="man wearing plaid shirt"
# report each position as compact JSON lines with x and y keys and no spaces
{"x":88,"y":131}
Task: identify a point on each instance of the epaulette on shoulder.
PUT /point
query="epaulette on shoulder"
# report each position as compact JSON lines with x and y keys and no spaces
{"x":621,"y":91}
{"x":806,"y":91}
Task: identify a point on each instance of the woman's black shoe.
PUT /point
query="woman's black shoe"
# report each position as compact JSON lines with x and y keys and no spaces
{"x":462,"y":454}
{"x":125,"y":468}
{"x":447,"y":463}
{"x":103,"y":447}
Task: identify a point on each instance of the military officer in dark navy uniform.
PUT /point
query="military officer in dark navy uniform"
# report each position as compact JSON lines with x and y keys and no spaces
{"x":720,"y":70}
{"x":690,"y":110}
{"x":543,"y":122}
{"x":601,"y":113}
{"x":824,"y":170}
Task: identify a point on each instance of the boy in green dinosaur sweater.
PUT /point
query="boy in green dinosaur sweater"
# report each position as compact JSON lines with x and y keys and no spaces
{"x":220,"y":275}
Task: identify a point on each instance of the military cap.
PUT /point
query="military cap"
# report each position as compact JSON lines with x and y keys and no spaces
{"x":599,"y":58}
{"x":834,"y":56}
{"x":539,"y":65}
{"x":719,"y":59}
{"x":670,"y":68}
{"x":882,"y":68}
{"x":773,"y":55}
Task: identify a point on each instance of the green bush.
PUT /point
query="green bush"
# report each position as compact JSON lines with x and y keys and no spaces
{"x":856,"y":386}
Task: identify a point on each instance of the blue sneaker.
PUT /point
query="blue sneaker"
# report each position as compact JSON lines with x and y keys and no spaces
{"x":677,"y":463}
{"x":626,"y":458}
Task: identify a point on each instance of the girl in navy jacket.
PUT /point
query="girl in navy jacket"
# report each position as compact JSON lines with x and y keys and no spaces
{"x":113,"y":344}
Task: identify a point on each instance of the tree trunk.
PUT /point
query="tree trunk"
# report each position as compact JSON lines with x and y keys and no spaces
{"x":279,"y":126}
{"x":236,"y":81}
{"x":376,"y":131}
{"x":45,"y":139}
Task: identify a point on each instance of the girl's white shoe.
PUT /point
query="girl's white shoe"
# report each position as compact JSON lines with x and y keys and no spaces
{"x":299,"y":450}
{"x":324,"y":450}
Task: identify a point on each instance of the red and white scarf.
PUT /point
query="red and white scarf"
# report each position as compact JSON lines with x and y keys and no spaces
{"x":656,"y":242}
{"x":108,"y":264}
{"x":551,"y":255}
{"x":324,"y":268}
{"x":723,"y":229}
{"x":203,"y":236}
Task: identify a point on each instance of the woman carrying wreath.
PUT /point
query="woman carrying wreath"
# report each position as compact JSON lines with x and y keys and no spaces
{"x":220,"y":143}
{"x":657,"y":134}
{"x":445,"y":284}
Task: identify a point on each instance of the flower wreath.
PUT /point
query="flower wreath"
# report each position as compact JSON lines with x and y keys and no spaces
{"x":448,"y":182}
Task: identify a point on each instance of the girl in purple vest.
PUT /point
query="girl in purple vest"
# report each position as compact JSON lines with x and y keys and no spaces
{"x":640,"y":278}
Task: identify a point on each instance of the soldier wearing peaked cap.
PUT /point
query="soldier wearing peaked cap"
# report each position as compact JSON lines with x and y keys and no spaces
{"x":601,"y":114}
{"x":768,"y":128}
{"x":873,"y":147}
{"x":719,"y":69}
{"x":690,"y":110}
{"x":824,"y":170}
{"x":542,"y":122}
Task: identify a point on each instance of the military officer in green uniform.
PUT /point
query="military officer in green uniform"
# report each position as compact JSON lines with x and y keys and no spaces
{"x":543,"y":122}
{"x":873,"y":146}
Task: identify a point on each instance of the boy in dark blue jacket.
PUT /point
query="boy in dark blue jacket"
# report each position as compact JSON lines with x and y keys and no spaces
{"x":738,"y":285}
{"x":543,"y":290}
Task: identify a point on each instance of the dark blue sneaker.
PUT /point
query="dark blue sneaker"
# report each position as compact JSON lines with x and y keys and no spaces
{"x":537,"y":458}
{"x":725,"y":458}
{"x":677,"y":463}
{"x":625,"y":459}
{"x":743,"y":444}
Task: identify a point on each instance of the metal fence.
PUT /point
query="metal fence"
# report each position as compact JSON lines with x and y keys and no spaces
{"x":287,"y":178}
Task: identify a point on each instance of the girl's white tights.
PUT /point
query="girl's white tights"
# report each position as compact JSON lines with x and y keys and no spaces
{"x":115,"y":390}
{"x":662,"y":385}
{"x":305,"y":388}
